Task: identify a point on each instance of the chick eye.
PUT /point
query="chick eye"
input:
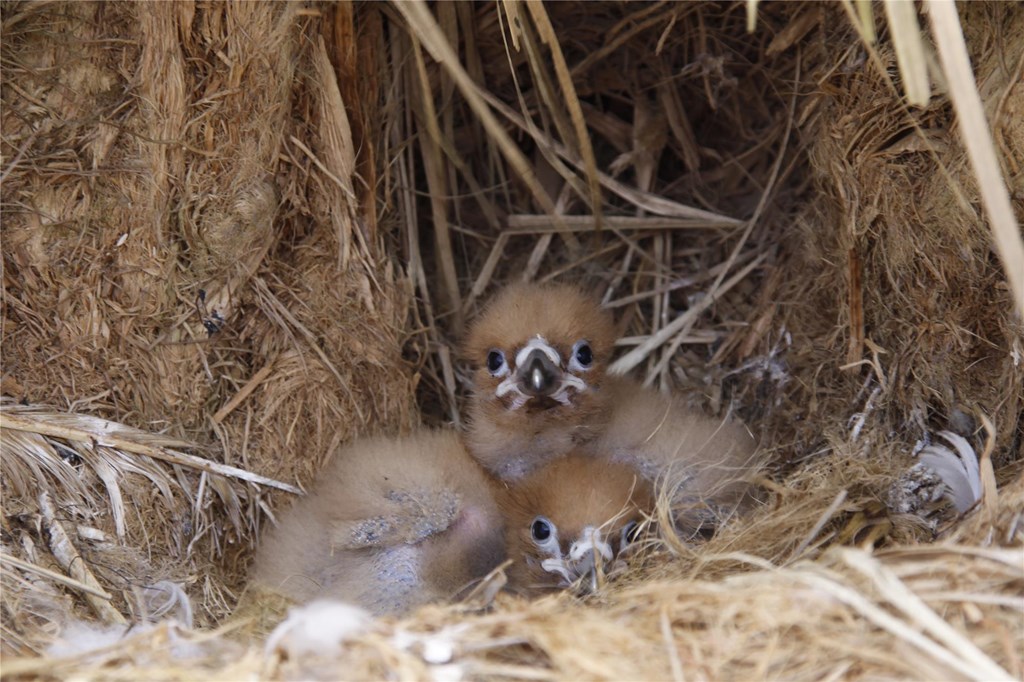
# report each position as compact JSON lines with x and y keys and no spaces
{"x":541,"y":529}
{"x":582,"y":356}
{"x":545,"y":536}
{"x":630,"y":533}
{"x":496,"y":364}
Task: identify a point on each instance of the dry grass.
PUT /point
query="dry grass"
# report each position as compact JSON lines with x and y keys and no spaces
{"x":915,"y":611}
{"x":236,"y":236}
{"x":182,"y":255}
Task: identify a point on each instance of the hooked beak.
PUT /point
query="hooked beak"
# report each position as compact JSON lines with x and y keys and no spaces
{"x":539,"y":376}
{"x":587,"y":557}
{"x":591,"y":571}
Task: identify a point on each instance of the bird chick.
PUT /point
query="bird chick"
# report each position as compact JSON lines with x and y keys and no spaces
{"x":572,"y":521}
{"x":539,"y":353}
{"x":541,"y":390}
{"x":390,"y":524}
{"x":704,"y":464}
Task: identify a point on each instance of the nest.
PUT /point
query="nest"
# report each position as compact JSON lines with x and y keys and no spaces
{"x":236,"y":236}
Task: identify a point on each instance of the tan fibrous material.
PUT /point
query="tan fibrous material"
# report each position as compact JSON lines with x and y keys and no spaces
{"x":172,"y":264}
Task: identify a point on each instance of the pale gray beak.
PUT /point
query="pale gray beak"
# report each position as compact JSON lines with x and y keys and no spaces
{"x":539,"y":376}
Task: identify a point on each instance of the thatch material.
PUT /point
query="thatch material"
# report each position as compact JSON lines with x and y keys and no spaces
{"x":198,"y":246}
{"x":910,"y":300}
{"x":949,"y":609}
{"x":182,"y":255}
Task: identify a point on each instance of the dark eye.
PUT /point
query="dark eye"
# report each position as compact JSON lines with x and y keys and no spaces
{"x":630,"y":533}
{"x":582,"y":356}
{"x":496,"y":362}
{"x":541,"y":529}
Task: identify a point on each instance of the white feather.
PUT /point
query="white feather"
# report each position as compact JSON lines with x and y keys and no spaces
{"x":438,"y":649}
{"x":969,"y":458}
{"x":164,"y":596}
{"x":959,"y":469}
{"x":80,"y":638}
{"x":319,"y":627}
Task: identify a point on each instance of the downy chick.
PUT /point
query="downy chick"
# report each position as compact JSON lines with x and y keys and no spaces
{"x":390,"y":524}
{"x":704,"y":464}
{"x":572,"y":522}
{"x":539,"y":353}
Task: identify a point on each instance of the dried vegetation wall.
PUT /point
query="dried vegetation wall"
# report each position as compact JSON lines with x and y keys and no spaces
{"x":187,"y":251}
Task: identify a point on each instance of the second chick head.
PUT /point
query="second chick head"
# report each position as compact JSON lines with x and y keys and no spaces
{"x":574,"y":522}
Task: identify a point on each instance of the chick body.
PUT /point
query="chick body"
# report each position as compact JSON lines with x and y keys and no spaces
{"x":704,"y":464}
{"x":390,"y":524}
{"x":540,"y":402}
